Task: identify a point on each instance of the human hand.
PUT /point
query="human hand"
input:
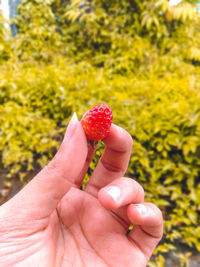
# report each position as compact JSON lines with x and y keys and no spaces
{"x":51,"y":222}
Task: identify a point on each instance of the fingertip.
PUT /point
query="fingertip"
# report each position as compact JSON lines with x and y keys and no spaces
{"x":120,"y":193}
{"x":119,"y":137}
{"x":109,"y":197}
{"x":71,"y":128}
{"x":148,"y":226}
{"x":133,"y":214}
{"x":146,"y":214}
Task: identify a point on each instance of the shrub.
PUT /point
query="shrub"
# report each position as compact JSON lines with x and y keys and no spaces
{"x":60,"y":63}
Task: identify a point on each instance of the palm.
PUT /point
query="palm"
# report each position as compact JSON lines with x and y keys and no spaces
{"x":90,"y":236}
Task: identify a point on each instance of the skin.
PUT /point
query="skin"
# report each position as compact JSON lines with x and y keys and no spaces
{"x":51,"y":222}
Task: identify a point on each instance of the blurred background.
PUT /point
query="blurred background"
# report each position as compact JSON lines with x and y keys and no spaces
{"x":142,"y":58}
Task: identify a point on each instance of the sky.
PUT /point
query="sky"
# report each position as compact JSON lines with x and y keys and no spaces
{"x":174,"y":2}
{"x":4,"y":6}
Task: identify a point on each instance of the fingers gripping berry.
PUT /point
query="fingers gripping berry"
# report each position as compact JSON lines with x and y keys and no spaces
{"x":97,"y":121}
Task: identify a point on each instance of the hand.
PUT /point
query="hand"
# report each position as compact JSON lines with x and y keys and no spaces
{"x":51,"y":222}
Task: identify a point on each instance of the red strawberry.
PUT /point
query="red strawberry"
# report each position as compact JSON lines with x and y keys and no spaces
{"x":97,"y":121}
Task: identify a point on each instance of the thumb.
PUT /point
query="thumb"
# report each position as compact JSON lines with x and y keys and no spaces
{"x":41,"y":195}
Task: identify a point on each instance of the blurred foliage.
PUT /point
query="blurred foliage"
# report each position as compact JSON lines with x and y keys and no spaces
{"x":140,"y":57}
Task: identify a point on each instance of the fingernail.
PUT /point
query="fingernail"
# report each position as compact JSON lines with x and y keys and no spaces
{"x":71,"y":127}
{"x":143,"y":210}
{"x":113,"y":191}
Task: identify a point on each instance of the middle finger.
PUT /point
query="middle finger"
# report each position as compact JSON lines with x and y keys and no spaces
{"x":114,"y":161}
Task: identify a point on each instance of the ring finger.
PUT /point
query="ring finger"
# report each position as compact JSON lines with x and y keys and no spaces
{"x":118,"y":195}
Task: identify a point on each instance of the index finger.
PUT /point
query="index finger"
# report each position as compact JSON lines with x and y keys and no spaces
{"x":114,"y":160}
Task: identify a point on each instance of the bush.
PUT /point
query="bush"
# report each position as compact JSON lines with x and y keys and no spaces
{"x":61,"y":62}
